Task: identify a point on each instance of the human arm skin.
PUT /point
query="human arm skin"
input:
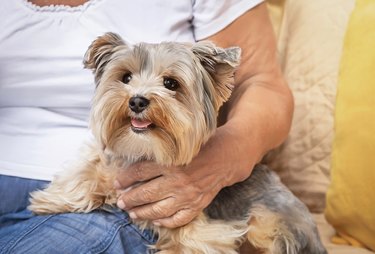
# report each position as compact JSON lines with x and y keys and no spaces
{"x":257,"y":119}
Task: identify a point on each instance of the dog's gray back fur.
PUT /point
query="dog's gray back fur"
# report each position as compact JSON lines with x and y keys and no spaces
{"x":263,"y":188}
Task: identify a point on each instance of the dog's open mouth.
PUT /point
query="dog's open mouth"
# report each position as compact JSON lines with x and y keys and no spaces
{"x":140,"y":125}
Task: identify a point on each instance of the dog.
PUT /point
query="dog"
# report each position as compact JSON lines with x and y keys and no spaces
{"x":160,"y":102}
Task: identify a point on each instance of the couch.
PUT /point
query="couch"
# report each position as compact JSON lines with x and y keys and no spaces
{"x":310,"y":38}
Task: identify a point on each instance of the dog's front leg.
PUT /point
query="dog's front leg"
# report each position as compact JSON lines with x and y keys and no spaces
{"x":81,"y":190}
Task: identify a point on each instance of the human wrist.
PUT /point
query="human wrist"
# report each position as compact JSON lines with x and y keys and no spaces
{"x":227,"y":158}
{"x":244,"y":148}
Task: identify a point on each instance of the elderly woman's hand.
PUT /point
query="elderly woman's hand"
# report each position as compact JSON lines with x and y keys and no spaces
{"x":173,"y":196}
{"x":170,"y":197}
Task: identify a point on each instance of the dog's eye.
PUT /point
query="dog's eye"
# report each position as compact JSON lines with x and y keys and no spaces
{"x":127,"y":77}
{"x":171,"y":84}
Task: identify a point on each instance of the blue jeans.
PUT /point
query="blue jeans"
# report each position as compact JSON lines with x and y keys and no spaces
{"x":101,"y":231}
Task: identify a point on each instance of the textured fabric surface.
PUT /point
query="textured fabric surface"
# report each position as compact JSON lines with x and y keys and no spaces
{"x":98,"y":232}
{"x":350,"y":203}
{"x":339,"y":12}
{"x":326,"y":232}
{"x":310,"y":45}
{"x":275,"y":10}
{"x":108,"y":230}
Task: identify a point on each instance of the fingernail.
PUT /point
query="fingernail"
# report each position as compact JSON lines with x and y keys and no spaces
{"x":156,"y":223}
{"x":127,"y":189}
{"x":132,"y":215}
{"x":121,"y":204}
{"x":116,"y":184}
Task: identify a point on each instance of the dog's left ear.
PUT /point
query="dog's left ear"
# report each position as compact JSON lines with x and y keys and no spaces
{"x":220,"y":64}
{"x":100,"y":51}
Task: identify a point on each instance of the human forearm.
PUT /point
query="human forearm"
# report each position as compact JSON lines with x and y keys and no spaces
{"x":257,"y":122}
{"x":259,"y":114}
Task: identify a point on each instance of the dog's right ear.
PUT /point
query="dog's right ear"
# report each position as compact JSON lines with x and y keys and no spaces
{"x":220,"y":64}
{"x":99,"y":53}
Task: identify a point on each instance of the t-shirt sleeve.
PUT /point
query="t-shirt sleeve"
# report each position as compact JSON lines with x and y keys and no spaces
{"x":211,"y":16}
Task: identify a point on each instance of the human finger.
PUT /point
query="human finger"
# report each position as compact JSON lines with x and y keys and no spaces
{"x":138,"y":172}
{"x":144,"y":193}
{"x":158,"y":210}
{"x":179,"y":219}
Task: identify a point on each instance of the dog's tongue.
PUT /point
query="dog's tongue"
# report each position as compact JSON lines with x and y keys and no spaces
{"x":140,"y":123}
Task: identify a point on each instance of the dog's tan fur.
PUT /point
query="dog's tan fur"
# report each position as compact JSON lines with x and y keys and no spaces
{"x":266,"y":229}
{"x":183,"y":121}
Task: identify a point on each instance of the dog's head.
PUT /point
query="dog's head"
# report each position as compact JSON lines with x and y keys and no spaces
{"x":158,"y":101}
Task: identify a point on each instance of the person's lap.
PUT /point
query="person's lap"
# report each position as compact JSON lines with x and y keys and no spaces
{"x":101,"y":231}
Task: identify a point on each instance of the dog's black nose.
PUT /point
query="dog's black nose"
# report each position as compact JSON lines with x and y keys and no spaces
{"x":138,"y":103}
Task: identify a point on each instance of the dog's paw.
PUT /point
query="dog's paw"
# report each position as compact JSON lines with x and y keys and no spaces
{"x":50,"y":201}
{"x":43,"y":202}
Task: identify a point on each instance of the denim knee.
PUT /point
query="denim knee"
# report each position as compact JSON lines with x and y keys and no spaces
{"x":96,"y":232}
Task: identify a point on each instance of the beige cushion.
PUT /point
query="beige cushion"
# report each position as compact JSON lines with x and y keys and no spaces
{"x":310,"y":45}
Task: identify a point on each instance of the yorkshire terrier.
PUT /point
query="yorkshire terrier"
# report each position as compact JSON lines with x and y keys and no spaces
{"x":160,"y":102}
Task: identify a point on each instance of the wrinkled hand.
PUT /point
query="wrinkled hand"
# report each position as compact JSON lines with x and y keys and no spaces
{"x":173,"y":196}
{"x":170,"y":197}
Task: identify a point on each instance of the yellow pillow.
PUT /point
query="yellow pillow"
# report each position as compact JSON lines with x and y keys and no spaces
{"x":351,"y":196}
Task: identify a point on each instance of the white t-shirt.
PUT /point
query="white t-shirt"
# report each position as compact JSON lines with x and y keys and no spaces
{"x":45,"y":93}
